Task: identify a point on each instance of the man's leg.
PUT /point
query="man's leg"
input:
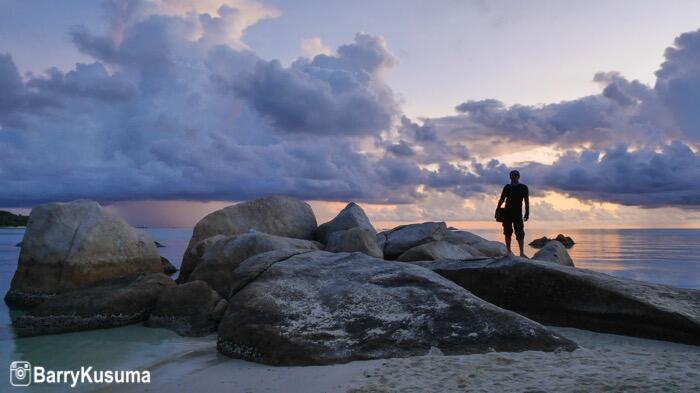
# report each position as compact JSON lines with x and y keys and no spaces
{"x":521,"y":245}
{"x":508,"y":232}
{"x":520,"y":236}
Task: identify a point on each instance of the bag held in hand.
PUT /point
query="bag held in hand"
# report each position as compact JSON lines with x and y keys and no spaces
{"x":501,"y":214}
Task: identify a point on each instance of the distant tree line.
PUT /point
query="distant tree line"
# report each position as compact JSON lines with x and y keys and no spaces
{"x":8,"y":219}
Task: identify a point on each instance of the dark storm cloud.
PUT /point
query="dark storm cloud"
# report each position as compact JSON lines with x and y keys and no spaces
{"x":646,"y":178}
{"x":589,"y":119}
{"x":154,"y":117}
{"x":402,"y":149}
{"x":87,"y":80}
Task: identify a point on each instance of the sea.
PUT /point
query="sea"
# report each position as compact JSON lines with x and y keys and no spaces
{"x":665,"y":256}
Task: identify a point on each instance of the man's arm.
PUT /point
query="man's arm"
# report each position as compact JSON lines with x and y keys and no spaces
{"x":527,"y":204}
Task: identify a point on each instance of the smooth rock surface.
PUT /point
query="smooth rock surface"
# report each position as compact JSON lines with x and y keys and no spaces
{"x":439,"y":249}
{"x":193,"y":256}
{"x":398,"y":240}
{"x":190,"y":309}
{"x":352,"y":216}
{"x":555,"y":252}
{"x":321,"y":308}
{"x":355,"y":239}
{"x":224,"y":256}
{"x":103,"y":305}
{"x":74,"y":244}
{"x":275,"y":215}
{"x":566,"y":296}
{"x":487,"y":248}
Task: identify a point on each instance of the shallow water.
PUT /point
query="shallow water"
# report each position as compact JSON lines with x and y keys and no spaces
{"x":664,"y":256}
{"x":667,"y":256}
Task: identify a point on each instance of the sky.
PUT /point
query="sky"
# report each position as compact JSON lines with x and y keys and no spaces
{"x":167,"y":109}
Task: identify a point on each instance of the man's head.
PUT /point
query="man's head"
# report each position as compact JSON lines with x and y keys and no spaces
{"x":514,"y":176}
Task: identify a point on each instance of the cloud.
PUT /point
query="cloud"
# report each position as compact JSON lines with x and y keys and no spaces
{"x":678,"y":82}
{"x":12,"y":94}
{"x":401,"y":149}
{"x":314,"y":46}
{"x":175,"y":106}
{"x":645,"y":178}
{"x":327,"y":95}
{"x":167,"y":112}
{"x":626,"y":111}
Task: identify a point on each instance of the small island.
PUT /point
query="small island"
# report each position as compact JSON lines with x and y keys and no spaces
{"x":8,"y":219}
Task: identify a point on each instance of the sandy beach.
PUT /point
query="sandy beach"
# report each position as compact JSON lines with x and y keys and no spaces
{"x":604,"y":362}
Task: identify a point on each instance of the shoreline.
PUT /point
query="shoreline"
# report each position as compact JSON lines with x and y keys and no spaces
{"x":604,"y":362}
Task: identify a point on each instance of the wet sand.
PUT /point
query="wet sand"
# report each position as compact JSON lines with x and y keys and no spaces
{"x":603,"y":363}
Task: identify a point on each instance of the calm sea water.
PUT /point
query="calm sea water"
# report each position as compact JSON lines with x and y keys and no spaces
{"x":667,"y":256}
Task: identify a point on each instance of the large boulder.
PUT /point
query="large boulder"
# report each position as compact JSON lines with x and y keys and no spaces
{"x":565,"y":296}
{"x":276,"y":215}
{"x":355,"y":239}
{"x":398,"y":240}
{"x":352,"y":216}
{"x":487,"y":248}
{"x":321,"y":308}
{"x":108,"y":304}
{"x":439,"y":249}
{"x":224,"y":256}
{"x":555,"y":252}
{"x":70,"y":245}
{"x":190,"y":309}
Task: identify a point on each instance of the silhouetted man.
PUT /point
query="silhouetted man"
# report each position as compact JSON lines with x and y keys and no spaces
{"x":514,"y":194}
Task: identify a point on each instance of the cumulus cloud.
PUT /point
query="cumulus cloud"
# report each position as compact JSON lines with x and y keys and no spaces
{"x":624,"y":111}
{"x":172,"y":109}
{"x":678,"y":82}
{"x":326,"y":95}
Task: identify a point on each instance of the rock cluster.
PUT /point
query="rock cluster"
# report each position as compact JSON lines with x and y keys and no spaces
{"x":278,"y":289}
{"x":567,"y":241}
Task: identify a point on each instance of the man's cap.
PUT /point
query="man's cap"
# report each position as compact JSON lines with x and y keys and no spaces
{"x":516,"y":173}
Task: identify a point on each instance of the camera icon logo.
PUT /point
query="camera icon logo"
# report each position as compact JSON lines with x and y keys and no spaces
{"x":20,"y":373}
